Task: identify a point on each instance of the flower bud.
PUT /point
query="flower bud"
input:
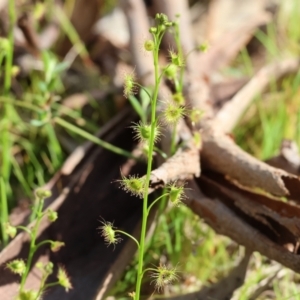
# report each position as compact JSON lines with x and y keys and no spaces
{"x":176,"y":59}
{"x":55,"y":246}
{"x":203,"y":47}
{"x":196,"y":115}
{"x":153,"y":30}
{"x":28,"y":295}
{"x":45,"y":268}
{"x":52,"y":215}
{"x":170,"y":71}
{"x":149,"y":45}
{"x":10,"y":230}
{"x":178,"y":98}
{"x":162,"y":27}
{"x":43,"y":194}
{"x":197,"y":139}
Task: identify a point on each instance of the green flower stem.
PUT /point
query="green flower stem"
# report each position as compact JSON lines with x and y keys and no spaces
{"x":130,"y":236}
{"x":42,"y":285}
{"x":157,"y":41}
{"x":180,"y":53}
{"x":42,"y":243}
{"x":163,"y":154}
{"x":33,"y":214}
{"x":178,"y":87}
{"x":155,"y":201}
{"x":144,"y":89}
{"x":4,"y":211}
{"x":25,"y":229}
{"x":32,"y":247}
{"x":51,"y":285}
{"x":93,"y":138}
{"x":173,"y":140}
{"x":149,"y":269}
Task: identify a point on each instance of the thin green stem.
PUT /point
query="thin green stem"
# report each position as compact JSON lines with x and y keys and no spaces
{"x":149,"y":168}
{"x":42,"y":243}
{"x":180,"y":53}
{"x":144,"y":89}
{"x":25,"y":229}
{"x":130,"y":236}
{"x":173,"y":140}
{"x":32,"y":247}
{"x":149,"y":269}
{"x":42,"y":285}
{"x":155,"y":201}
{"x":34,"y":210}
{"x":164,"y":71}
{"x":93,"y":138}
{"x":163,"y":154}
{"x":51,"y":284}
{"x":4,"y":211}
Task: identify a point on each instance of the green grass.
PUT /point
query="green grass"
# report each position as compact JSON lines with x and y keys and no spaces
{"x":31,"y":127}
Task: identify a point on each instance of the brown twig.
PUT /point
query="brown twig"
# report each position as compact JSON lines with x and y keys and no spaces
{"x":221,"y":154}
{"x":229,"y":115}
{"x":182,"y":166}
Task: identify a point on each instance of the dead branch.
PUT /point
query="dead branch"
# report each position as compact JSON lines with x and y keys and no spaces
{"x":266,"y":210}
{"x":182,"y":166}
{"x":221,"y":154}
{"x":231,"y":112}
{"x":288,"y":158}
{"x":224,"y":221}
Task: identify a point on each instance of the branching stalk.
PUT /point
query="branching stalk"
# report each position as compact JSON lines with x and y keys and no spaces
{"x":32,"y":247}
{"x":149,"y":168}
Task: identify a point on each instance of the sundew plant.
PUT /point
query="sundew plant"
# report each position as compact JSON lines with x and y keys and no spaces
{"x":22,"y":268}
{"x":148,"y":133}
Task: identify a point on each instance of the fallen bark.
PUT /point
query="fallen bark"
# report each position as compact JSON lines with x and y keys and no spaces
{"x":182,"y":166}
{"x":221,"y":154}
{"x":224,"y":221}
